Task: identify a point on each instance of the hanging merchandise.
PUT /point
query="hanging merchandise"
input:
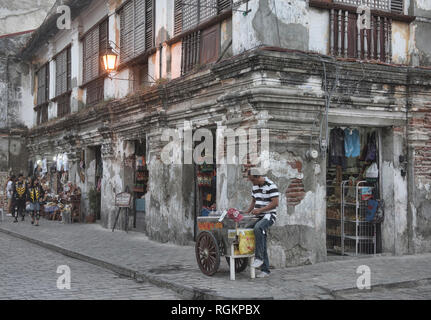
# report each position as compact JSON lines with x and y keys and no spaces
{"x":372,"y":206}
{"x":64,"y":178}
{"x":59,"y":162}
{"x":336,"y":147}
{"x":352,"y":144}
{"x":140,"y":162}
{"x":204,"y":179}
{"x":366,"y":193}
{"x":371,"y":148}
{"x":65,"y":162}
{"x":372,"y":171}
{"x":206,"y":168}
{"x":44,"y":166}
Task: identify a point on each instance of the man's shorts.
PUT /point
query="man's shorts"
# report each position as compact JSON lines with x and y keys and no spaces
{"x":34,"y":206}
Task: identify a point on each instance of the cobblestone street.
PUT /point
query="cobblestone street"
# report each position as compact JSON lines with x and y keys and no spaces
{"x":28,"y":271}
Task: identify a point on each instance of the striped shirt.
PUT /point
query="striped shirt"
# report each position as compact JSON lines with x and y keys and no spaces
{"x":263,"y":196}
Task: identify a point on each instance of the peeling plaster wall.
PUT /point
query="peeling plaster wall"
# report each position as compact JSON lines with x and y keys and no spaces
{"x":419,"y":166}
{"x":14,"y":98}
{"x":400,"y":42}
{"x":23,"y":15}
{"x":176,"y":50}
{"x":170,"y":214}
{"x":319,"y":31}
{"x":395,"y":228}
{"x":287,"y":24}
{"x":420,"y":46}
{"x":298,"y":236}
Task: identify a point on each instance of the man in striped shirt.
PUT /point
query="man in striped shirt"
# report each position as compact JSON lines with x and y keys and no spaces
{"x":265,"y":196}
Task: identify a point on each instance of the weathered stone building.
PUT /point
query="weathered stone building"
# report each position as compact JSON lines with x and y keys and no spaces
{"x":294,"y":67}
{"x":17,"y":21}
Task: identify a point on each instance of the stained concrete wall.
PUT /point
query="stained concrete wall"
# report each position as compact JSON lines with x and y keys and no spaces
{"x":295,"y":25}
{"x":19,"y":16}
{"x":15,"y":98}
{"x":287,"y":24}
{"x":420,"y":32}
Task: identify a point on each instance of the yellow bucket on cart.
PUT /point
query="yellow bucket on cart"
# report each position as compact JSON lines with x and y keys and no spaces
{"x":246,"y":241}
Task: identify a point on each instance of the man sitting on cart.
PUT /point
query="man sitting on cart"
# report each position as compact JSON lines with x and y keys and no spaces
{"x":265,"y":197}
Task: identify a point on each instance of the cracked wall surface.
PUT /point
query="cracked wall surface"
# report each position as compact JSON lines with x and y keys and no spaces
{"x":23,"y":15}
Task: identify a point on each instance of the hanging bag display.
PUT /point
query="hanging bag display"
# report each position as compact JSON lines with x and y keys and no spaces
{"x":372,"y":171}
{"x":371,"y":149}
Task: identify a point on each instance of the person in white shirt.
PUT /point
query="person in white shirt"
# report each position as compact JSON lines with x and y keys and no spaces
{"x":9,"y":193}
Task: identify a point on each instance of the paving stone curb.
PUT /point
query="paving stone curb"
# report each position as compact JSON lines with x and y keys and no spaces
{"x":186,"y":292}
{"x":190,"y":292}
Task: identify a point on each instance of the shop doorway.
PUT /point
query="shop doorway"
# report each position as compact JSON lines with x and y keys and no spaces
{"x":354,"y":207}
{"x":98,"y":180}
{"x":135,"y":178}
{"x":140,"y":189}
{"x":205,"y":186}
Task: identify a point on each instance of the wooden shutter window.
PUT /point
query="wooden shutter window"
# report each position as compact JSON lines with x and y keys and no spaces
{"x":207,"y":9}
{"x":383,"y":5}
{"x":178,"y":17}
{"x":63,"y":105}
{"x":136,"y":28}
{"x":91,"y":55}
{"x":397,"y":6}
{"x":223,"y":5}
{"x":103,"y":44}
{"x":95,"y":91}
{"x":63,"y":70}
{"x":210,"y":44}
{"x":126,"y":32}
{"x":69,"y":69}
{"x":139,"y":27}
{"x":43,"y":85}
{"x":149,"y":24}
{"x":63,"y":82}
{"x":190,"y":14}
{"x":44,"y":113}
{"x":190,"y":51}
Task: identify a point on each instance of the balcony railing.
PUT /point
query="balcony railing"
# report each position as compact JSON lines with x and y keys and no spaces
{"x":349,"y":42}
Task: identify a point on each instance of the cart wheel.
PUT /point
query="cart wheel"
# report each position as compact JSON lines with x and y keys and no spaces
{"x":240,"y":264}
{"x":207,"y":253}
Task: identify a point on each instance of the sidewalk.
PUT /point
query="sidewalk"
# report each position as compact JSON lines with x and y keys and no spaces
{"x":170,"y":266}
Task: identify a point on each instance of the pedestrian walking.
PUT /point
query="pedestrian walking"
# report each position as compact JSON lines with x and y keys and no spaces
{"x":36,"y":195}
{"x":9,"y":194}
{"x":19,"y":198}
{"x":265,"y":198}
